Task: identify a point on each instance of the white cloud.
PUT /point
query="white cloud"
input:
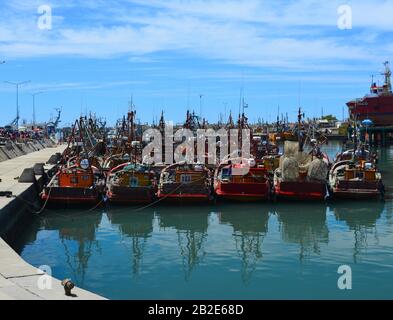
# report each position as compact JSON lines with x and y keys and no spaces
{"x":65,"y":86}
{"x":290,"y":34}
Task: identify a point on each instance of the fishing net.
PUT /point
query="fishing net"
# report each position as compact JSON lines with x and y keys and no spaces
{"x":291,"y":148}
{"x":290,"y":169}
{"x":294,"y":162}
{"x":317,"y":170}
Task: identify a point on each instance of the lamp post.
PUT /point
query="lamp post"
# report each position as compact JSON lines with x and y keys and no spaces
{"x":17,"y":85}
{"x":34,"y":95}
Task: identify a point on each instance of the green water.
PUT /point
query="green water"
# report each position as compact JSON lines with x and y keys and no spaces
{"x":229,"y":251}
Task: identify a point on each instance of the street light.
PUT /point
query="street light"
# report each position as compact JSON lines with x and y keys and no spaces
{"x":17,"y":85}
{"x":33,"y":95}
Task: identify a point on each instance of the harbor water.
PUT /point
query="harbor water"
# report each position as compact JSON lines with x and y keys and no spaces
{"x":223,"y":251}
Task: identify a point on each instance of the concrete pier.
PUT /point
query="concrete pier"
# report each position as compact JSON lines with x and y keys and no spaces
{"x":18,"y":279}
{"x":21,"y":281}
{"x":24,"y":198}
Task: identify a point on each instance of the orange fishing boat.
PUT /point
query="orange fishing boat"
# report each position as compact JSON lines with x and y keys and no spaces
{"x":75,"y":183}
{"x":354,"y":175}
{"x":77,"y":180}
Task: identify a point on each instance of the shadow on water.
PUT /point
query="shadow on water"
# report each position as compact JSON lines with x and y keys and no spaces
{"x":250,"y":226}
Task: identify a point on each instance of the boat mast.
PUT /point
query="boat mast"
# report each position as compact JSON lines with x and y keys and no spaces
{"x":299,"y":135}
{"x":388,"y":73}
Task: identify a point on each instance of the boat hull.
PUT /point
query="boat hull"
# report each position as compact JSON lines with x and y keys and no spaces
{"x":358,"y":190}
{"x":183,"y":198}
{"x":130,"y":195}
{"x":63,"y":196}
{"x":379,"y":109}
{"x":357,"y":194}
{"x":296,"y":190}
{"x":243,"y":192}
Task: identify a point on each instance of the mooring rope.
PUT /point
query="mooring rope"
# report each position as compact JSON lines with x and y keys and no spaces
{"x":167,"y":195}
{"x":46,"y":202}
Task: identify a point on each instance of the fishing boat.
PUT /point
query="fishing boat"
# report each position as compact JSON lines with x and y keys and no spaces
{"x":241,"y":180}
{"x":77,"y":182}
{"x":355,"y":175}
{"x":301,"y":175}
{"x":183,"y":183}
{"x":131,"y":183}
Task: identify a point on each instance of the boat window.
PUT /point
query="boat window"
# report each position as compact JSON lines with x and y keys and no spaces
{"x":360,"y":175}
{"x":226,"y":173}
{"x":74,"y":180}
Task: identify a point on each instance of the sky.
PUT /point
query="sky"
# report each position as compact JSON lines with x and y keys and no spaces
{"x":202,"y":55}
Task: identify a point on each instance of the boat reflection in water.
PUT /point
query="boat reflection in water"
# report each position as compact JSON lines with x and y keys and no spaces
{"x":304,"y":225}
{"x":191,"y":232}
{"x":361,"y":220}
{"x":237,"y":251}
{"x":138,"y":230}
{"x":76,"y":240}
{"x":250,"y":227}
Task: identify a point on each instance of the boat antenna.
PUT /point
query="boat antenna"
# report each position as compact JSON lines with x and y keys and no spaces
{"x":241,"y":99}
{"x":200,"y":105}
{"x":299,"y":93}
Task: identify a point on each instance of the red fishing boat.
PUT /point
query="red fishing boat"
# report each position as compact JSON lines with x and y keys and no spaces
{"x":183,"y":183}
{"x":301,"y":175}
{"x":377,"y":105}
{"x":241,"y":181}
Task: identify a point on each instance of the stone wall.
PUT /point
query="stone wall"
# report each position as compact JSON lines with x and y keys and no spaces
{"x":11,"y":150}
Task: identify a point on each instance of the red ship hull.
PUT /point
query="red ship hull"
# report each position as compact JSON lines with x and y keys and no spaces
{"x":243,"y":192}
{"x":300,"y":190}
{"x":379,"y":109}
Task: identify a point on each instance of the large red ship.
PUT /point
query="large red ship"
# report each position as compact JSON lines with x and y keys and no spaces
{"x":376,"y":106}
